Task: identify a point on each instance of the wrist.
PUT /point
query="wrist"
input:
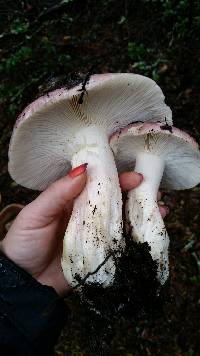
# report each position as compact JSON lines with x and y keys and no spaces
{"x":52,"y":277}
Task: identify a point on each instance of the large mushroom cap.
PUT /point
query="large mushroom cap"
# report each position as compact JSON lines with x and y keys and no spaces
{"x":44,"y":138}
{"x":179,"y":151}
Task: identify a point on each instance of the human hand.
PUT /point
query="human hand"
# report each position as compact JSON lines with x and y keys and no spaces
{"x":34,"y":241}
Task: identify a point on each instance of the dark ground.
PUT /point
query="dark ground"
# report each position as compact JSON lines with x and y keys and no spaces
{"x":41,"y":40}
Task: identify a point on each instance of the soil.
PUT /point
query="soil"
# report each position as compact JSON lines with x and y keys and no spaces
{"x":151,"y":38}
{"x":134,"y":293}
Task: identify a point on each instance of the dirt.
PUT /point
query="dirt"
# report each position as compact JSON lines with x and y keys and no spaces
{"x":136,"y":316}
{"x":134,"y":294}
{"x":140,"y":321}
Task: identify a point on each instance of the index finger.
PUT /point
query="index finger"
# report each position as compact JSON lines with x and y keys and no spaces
{"x":130,"y":180}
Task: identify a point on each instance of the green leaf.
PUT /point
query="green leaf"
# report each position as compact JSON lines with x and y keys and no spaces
{"x":19,"y":26}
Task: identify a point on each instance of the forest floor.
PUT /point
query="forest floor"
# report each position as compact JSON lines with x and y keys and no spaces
{"x":44,"y":41}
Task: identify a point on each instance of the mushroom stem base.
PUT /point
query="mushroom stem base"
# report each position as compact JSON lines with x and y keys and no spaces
{"x":143,"y":215}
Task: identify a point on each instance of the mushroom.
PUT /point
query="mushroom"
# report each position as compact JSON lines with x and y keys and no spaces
{"x":59,"y":131}
{"x":166,"y":156}
{"x":7,"y":215}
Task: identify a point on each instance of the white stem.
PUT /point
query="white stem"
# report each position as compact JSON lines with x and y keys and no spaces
{"x":143,"y":215}
{"x":95,"y":228}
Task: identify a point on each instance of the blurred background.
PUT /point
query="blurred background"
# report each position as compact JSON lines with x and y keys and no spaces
{"x":42,"y":43}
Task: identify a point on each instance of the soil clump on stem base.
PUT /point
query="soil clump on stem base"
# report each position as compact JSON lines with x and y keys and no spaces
{"x":135,"y":293}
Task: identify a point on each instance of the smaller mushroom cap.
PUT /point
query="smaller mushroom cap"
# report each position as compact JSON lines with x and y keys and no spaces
{"x":179,"y":151}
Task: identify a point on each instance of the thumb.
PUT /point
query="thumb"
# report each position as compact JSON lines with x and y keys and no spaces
{"x":52,"y":201}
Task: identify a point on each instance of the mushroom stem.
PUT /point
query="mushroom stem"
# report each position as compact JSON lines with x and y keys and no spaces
{"x":95,"y":229}
{"x":143,"y":215}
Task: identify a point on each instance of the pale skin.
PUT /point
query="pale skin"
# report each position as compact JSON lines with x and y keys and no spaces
{"x":34,"y":241}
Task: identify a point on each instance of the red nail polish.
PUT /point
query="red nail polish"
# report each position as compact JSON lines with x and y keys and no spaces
{"x":78,"y":170}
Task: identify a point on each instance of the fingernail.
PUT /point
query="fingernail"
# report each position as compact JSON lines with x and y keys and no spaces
{"x":78,"y":170}
{"x":161,"y":203}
